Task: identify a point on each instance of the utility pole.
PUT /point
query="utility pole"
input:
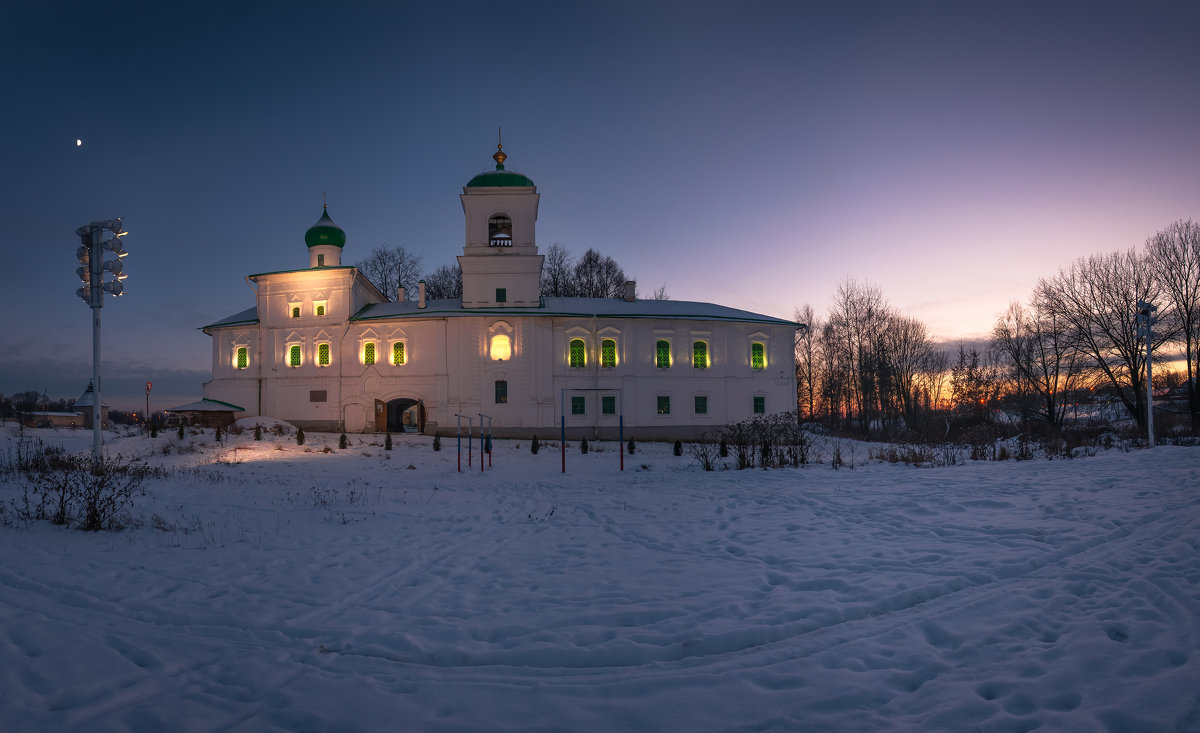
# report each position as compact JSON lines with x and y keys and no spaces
{"x":1146,"y":321}
{"x":91,"y":272}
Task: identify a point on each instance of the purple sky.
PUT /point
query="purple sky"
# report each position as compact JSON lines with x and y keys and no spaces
{"x":751,"y":154}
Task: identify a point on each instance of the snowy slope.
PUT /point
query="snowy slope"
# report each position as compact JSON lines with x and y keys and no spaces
{"x":268,"y":588}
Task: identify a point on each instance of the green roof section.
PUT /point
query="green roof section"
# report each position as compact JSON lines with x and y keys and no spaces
{"x":325,"y":232}
{"x":499,"y":178}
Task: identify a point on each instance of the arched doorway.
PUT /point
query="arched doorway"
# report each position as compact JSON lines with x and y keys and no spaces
{"x":402,"y":415}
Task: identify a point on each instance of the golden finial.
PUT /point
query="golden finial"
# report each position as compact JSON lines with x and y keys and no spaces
{"x":499,"y":157}
{"x":324,"y":201}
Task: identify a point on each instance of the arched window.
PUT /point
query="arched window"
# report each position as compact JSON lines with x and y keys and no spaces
{"x":608,"y":353}
{"x":500,"y":231}
{"x":321,"y":310}
{"x":758,"y":356}
{"x":501,"y":347}
{"x":662,"y":354}
{"x":294,"y":355}
{"x":578,"y":357}
{"x":398,"y":353}
{"x":700,"y":355}
{"x":322,"y":354}
{"x":242,"y":357}
{"x":369,"y":353}
{"x":295,"y":311}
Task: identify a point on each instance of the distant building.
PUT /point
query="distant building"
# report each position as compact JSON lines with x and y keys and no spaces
{"x":323,"y":349}
{"x":86,"y":404}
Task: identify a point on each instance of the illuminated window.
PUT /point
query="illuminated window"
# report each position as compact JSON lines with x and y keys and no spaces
{"x":608,"y":404}
{"x":578,"y":354}
{"x":578,"y":405}
{"x":501,"y":347}
{"x":700,"y":355}
{"x":662,"y":354}
{"x":501,"y":295}
{"x":242,"y":358}
{"x":294,"y":355}
{"x":500,"y":231}
{"x":608,"y":353}
{"x":664,"y":405}
{"x":758,"y":356}
{"x":322,"y":354}
{"x":701,"y":404}
{"x":398,"y":353}
{"x":319,"y":308}
{"x":760,"y":404}
{"x":501,"y":392}
{"x":295,"y":311}
{"x":369,"y":353}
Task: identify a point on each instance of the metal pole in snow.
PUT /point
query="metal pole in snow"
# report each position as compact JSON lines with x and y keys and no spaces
{"x":458,"y":433}
{"x":621,"y":439}
{"x":562,"y":442}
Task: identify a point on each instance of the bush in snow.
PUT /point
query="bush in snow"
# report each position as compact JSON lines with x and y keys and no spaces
{"x":632,"y":447}
{"x":80,"y":490}
{"x":533,"y":447}
{"x":343,"y":441}
{"x":299,"y":436}
{"x":257,"y":431}
{"x":437,"y":442}
{"x":583,"y":446}
{"x":387,"y":442}
{"x":678,"y":448}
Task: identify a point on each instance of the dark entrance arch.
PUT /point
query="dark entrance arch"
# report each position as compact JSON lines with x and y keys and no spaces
{"x":402,"y":415}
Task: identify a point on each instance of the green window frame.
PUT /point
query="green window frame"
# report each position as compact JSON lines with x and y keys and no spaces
{"x":501,"y":295}
{"x":700,"y":354}
{"x":578,"y":405}
{"x":322,"y":354}
{"x":369,"y":353}
{"x":758,"y":356}
{"x":243,"y":357}
{"x":760,"y":404}
{"x":701,"y":404}
{"x":294,"y":355}
{"x":608,"y":404}
{"x":578,"y":355}
{"x":608,"y":353}
{"x":320,"y":310}
{"x":501,"y":392}
{"x":662,"y":354}
{"x":295,"y":311}
{"x":664,"y":405}
{"x":398,"y":357}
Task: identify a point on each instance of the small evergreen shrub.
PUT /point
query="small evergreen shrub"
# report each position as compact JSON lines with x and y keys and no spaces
{"x":257,"y":431}
{"x":342,"y":442}
{"x":678,"y":448}
{"x":181,"y":431}
{"x":387,"y":442}
{"x":153,"y":430}
{"x":632,"y":447}
{"x":299,"y":436}
{"x":723,"y":450}
{"x":583,"y":446}
{"x":533,"y":447}
{"x":218,"y":435}
{"x":437,"y":442}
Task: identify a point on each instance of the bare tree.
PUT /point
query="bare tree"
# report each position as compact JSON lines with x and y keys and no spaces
{"x":1042,"y":359}
{"x":444,"y":282}
{"x":1174,"y":255}
{"x":558,"y":272}
{"x":807,"y":360}
{"x":390,"y":267}
{"x":857,"y":317}
{"x":660,"y":293}
{"x":905,"y":349}
{"x":1097,"y":296}
{"x":598,"y":276}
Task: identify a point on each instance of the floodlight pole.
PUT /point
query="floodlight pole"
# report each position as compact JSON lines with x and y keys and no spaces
{"x":97,"y":410}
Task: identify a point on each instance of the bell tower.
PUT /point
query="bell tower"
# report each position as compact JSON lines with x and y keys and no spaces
{"x":500,"y":263}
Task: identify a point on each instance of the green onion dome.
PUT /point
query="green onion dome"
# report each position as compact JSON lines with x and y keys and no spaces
{"x":499,"y":177}
{"x":325,"y":232}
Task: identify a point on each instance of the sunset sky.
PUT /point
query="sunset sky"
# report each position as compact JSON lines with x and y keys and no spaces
{"x":750,"y":154}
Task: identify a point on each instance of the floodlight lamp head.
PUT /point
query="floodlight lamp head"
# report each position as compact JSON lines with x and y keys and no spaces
{"x":84,"y":254}
{"x":115,"y":267}
{"x":113,"y":287}
{"x":83,"y":231}
{"x":85,"y":274}
{"x":115,"y":246}
{"x":85,"y":293}
{"x":114,"y":225}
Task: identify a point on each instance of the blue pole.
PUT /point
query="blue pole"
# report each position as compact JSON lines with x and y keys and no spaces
{"x":621,"y":439}
{"x":563,"y":443}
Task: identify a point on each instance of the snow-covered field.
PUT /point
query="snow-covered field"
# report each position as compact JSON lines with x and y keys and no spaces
{"x":271,"y":589}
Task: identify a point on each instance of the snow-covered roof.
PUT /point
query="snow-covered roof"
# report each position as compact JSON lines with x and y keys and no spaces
{"x":207,"y":405}
{"x":250,"y":315}
{"x":583,"y":307}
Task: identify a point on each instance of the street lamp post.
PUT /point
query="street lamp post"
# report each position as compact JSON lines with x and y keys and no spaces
{"x":91,"y":272}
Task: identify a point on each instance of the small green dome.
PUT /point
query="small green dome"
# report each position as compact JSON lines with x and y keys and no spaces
{"x":325,"y":232}
{"x":499,"y":177}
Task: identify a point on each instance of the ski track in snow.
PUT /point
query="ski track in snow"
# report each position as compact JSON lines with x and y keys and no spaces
{"x":1052,"y":596}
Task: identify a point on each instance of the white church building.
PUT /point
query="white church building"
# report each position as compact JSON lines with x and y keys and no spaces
{"x":323,"y":349}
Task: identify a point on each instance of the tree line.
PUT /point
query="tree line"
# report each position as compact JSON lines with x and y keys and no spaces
{"x":591,"y":276}
{"x":865,"y":367}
